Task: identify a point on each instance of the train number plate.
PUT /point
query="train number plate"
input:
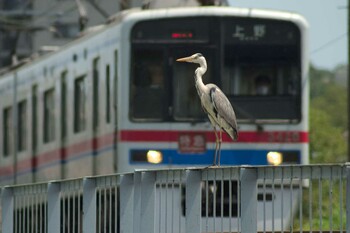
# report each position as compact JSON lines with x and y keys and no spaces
{"x":192,"y":143}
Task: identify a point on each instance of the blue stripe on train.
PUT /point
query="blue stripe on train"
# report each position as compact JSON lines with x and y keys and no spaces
{"x":228,"y":157}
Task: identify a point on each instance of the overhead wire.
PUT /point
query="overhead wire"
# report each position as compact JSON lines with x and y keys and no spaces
{"x":329,"y":43}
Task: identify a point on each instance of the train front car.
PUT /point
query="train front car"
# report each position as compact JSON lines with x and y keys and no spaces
{"x":259,"y":62}
{"x":258,"y":58}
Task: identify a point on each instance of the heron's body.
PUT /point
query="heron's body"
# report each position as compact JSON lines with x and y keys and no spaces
{"x":211,"y":98}
{"x":214,"y":103}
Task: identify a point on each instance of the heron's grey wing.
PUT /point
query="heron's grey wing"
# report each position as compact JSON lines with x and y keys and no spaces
{"x":223,"y":106}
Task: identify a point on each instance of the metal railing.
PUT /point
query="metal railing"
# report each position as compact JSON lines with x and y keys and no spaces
{"x":226,"y":199}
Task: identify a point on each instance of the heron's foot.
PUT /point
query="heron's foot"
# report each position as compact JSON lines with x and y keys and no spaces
{"x":211,"y":166}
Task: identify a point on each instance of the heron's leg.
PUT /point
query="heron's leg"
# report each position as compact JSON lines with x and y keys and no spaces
{"x":213,"y":123}
{"x":216,"y":146}
{"x":219,"y":146}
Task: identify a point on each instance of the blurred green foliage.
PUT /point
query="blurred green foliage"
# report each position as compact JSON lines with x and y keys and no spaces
{"x":328,"y":118}
{"x":323,"y":203}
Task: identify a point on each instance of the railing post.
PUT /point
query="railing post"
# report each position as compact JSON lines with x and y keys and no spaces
{"x":137,"y":203}
{"x":148,"y":189}
{"x":54,"y":207}
{"x":248,"y":201}
{"x":193,"y":202}
{"x":7,"y":203}
{"x":347,"y":193}
{"x":126,"y":203}
{"x":89,"y":205}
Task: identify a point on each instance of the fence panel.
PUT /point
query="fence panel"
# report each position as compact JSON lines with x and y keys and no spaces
{"x":169,"y":205}
{"x":72,"y":206}
{"x":220,"y":199}
{"x":24,"y":208}
{"x":302,"y":198}
{"x":107,"y":204}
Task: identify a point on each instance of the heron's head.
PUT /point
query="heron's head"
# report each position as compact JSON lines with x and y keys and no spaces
{"x":195,"y":58}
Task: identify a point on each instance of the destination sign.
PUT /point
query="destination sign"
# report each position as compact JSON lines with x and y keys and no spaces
{"x":251,"y":31}
{"x":182,"y":35}
{"x":172,"y":30}
{"x":234,"y":30}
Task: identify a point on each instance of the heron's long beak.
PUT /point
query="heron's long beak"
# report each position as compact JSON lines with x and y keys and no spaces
{"x":185,"y":59}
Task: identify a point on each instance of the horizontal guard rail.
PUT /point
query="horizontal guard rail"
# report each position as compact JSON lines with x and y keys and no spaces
{"x":312,"y":198}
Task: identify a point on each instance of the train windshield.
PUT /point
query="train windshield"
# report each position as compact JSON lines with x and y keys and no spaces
{"x":256,"y":62}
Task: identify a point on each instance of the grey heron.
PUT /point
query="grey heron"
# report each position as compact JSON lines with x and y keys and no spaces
{"x":214,"y":103}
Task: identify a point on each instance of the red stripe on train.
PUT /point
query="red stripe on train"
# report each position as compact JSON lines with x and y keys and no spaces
{"x":244,"y":137}
{"x":151,"y":136}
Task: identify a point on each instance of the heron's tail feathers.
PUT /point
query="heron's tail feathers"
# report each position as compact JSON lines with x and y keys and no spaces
{"x":233,"y":133}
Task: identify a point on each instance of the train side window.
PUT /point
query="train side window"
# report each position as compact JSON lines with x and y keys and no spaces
{"x":34,"y":116}
{"x":108,"y":110}
{"x":63,"y":104}
{"x":79,"y":104}
{"x":49,"y":115}
{"x":95,"y":91}
{"x":22,"y":125}
{"x":8,"y":131}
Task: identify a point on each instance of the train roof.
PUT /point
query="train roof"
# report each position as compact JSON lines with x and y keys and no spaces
{"x":218,"y":11}
{"x":137,"y":14}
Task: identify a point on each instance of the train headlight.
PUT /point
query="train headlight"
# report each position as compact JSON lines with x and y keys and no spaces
{"x":154,"y":156}
{"x":274,"y":158}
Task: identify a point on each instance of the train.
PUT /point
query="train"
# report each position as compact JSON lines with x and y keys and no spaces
{"x":115,"y":100}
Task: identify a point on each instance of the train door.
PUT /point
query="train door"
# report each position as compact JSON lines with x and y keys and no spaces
{"x":115,"y":112}
{"x":34,"y":129}
{"x":149,"y":106}
{"x":95,"y":111}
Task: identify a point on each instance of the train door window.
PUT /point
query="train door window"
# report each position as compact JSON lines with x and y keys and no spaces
{"x":261,"y":79}
{"x":185,"y":98}
{"x":261,"y":69}
{"x":79,"y":104}
{"x":64,"y":104}
{"x":22,"y":125}
{"x":108,"y":110}
{"x":34,"y":116}
{"x":95,"y":91}
{"x":8,"y":131}
{"x":148,"y":88}
{"x":49,"y":115}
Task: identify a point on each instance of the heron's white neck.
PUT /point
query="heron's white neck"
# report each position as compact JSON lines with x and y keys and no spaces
{"x":200,"y":71}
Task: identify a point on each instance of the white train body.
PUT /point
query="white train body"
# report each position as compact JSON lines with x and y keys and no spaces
{"x":75,"y":112}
